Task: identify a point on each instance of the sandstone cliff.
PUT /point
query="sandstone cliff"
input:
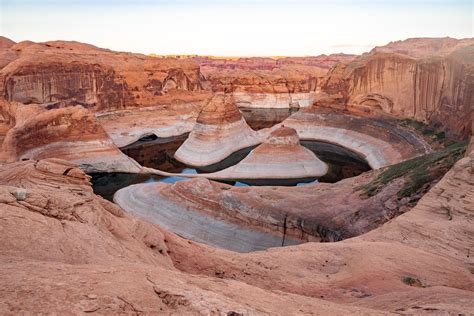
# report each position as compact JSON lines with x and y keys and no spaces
{"x":63,"y":73}
{"x":267,"y":75}
{"x":431,"y":82}
{"x":268,"y":82}
{"x":60,"y":73}
{"x":424,"y":46}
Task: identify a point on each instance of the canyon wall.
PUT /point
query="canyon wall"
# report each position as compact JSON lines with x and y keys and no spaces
{"x":430,"y":83}
{"x":50,"y":91}
{"x":268,"y":82}
{"x":430,"y":80}
{"x":61,"y":73}
{"x":69,"y":73}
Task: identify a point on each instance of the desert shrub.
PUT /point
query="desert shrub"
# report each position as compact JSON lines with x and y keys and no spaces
{"x":411,"y":281}
{"x":419,"y":171}
{"x":431,"y":132}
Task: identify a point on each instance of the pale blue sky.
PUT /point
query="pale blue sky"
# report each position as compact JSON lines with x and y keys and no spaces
{"x":235,"y":28}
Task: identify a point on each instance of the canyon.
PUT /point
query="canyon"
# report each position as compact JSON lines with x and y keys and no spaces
{"x":429,"y":80}
{"x":332,"y":184}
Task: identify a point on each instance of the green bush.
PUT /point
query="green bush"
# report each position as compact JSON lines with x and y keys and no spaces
{"x":419,"y":171}
{"x":411,"y":281}
{"x":430,"y":131}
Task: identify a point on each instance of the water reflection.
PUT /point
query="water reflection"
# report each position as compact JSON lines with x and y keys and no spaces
{"x":342,"y":163}
{"x":158,"y":153}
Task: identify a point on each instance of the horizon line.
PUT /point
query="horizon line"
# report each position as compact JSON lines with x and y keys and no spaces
{"x":217,"y":56}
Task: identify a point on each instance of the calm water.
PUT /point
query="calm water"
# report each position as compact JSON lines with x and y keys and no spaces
{"x":155,"y":153}
{"x":158,"y":153}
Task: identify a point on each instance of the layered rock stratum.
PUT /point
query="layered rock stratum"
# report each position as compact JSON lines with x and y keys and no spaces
{"x":426,"y":79}
{"x":62,"y":73}
{"x":52,"y":90}
{"x":268,"y":82}
{"x":212,"y":213}
{"x":381,"y":142}
{"x":219,"y":131}
{"x":128,"y":126}
{"x":280,"y":156}
{"x":70,"y":133}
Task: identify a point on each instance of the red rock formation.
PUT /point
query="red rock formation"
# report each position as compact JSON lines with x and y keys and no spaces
{"x":6,"y":42}
{"x":354,"y":262}
{"x":127,"y":126}
{"x":219,"y":110}
{"x":431,"y":81}
{"x":63,"y":73}
{"x":380,"y":141}
{"x":268,"y":82}
{"x":71,"y":133}
{"x":267,"y":75}
{"x":219,"y":131}
{"x":56,"y":194}
{"x":53,"y":76}
{"x":59,"y":238}
{"x":470,"y":147}
{"x":269,"y":63}
{"x":425,"y":79}
{"x":314,"y":212}
{"x":6,"y":55}
{"x":424,"y":46}
{"x":280,"y":156}
{"x":89,"y":256}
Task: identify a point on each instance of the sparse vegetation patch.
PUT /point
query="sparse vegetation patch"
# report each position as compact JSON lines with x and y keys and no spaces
{"x":420,"y":172}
